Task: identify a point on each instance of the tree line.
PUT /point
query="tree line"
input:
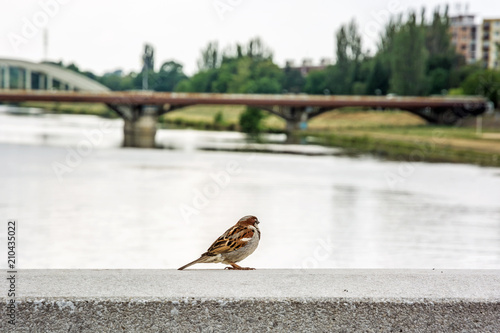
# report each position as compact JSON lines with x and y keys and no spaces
{"x":414,"y":56}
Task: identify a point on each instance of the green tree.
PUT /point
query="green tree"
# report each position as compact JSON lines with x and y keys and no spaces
{"x":437,"y":37}
{"x":219,"y":120}
{"x":265,"y":77}
{"x":485,"y":83}
{"x":316,"y":82}
{"x":117,"y":81}
{"x":386,"y":42}
{"x":441,"y":61}
{"x":378,"y":79}
{"x":339,"y":79}
{"x":380,"y":75}
{"x":199,"y":82}
{"x":258,"y":50}
{"x":348,"y":43}
{"x":169,"y":76}
{"x":112,"y":80}
{"x":458,"y":75}
{"x":349,"y":53}
{"x":183,"y":86}
{"x":242,"y":69}
{"x":439,"y":81}
{"x":409,"y":59}
{"x":210,"y":57}
{"x":293,"y":81}
{"x":241,"y":74}
{"x":251,"y":120}
{"x":263,"y":85}
{"x":73,"y":68}
{"x":127,"y":81}
{"x":144,"y":80}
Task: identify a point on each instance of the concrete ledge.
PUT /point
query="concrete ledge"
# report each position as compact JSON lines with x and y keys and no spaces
{"x":255,"y":301}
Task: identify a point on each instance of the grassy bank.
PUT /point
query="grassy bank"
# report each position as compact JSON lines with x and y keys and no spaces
{"x":215,"y":117}
{"x":398,"y":135}
{"x":433,"y":149}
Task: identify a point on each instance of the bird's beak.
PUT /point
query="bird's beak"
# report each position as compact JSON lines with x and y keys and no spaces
{"x":257,"y":222}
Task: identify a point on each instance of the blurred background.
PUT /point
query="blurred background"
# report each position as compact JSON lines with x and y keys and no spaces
{"x":350,"y":187}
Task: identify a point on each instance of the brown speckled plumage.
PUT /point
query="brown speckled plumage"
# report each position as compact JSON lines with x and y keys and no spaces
{"x":237,"y":243}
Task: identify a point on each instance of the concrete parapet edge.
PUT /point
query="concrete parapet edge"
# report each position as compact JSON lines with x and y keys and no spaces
{"x":256,"y":301}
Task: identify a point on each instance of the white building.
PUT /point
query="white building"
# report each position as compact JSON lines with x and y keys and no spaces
{"x":490,"y":43}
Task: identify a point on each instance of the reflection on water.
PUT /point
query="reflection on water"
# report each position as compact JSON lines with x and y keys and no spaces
{"x":131,"y":208}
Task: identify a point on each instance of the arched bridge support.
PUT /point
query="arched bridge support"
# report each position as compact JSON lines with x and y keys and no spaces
{"x":296,"y":118}
{"x":447,"y":115}
{"x":140,"y":123}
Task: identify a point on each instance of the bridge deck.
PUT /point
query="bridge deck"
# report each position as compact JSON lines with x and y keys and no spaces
{"x":179,"y":99}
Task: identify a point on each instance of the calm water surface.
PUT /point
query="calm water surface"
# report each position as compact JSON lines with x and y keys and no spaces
{"x":84,"y":202}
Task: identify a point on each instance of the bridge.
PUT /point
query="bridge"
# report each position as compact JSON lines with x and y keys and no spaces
{"x":20,"y":74}
{"x":141,"y":109}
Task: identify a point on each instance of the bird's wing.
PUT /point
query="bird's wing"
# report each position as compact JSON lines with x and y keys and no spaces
{"x":231,"y":240}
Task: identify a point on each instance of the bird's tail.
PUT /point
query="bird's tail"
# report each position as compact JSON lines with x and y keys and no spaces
{"x":201,"y":259}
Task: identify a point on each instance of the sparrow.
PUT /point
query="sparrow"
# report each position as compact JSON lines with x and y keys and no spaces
{"x":237,"y":243}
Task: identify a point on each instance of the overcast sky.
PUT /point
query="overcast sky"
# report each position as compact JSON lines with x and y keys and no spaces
{"x":105,"y":35}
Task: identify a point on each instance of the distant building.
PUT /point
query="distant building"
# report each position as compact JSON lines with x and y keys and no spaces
{"x":490,"y":41}
{"x":465,"y":37}
{"x":308,"y":66}
{"x":476,"y":42}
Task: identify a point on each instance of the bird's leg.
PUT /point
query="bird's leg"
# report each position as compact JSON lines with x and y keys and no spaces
{"x":234,"y":266}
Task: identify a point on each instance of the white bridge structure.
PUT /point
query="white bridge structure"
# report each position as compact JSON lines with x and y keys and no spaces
{"x":20,"y":74}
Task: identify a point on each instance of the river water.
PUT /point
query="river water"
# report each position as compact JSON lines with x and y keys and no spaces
{"x":81,"y":201}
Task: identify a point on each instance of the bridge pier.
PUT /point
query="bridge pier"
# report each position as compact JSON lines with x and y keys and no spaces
{"x":140,"y":121}
{"x":296,"y":120}
{"x":292,"y":131}
{"x":141,"y":132}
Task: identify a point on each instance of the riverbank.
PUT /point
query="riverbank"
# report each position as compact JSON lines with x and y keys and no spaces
{"x":438,"y":147}
{"x":474,"y":141}
{"x":394,"y":135}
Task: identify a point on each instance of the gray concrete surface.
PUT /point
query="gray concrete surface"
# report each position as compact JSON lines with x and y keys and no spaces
{"x":255,"y":301}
